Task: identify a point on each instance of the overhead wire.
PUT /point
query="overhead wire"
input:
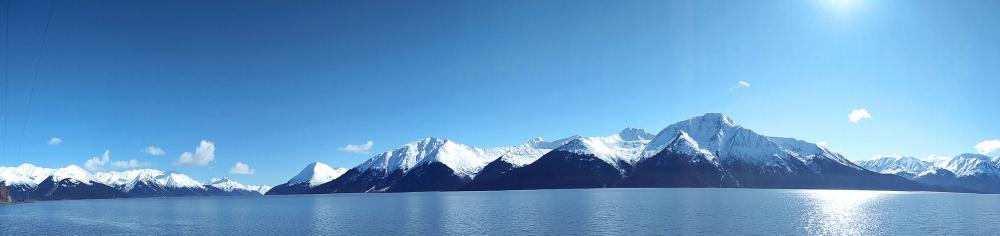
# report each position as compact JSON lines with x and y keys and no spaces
{"x":34,"y":78}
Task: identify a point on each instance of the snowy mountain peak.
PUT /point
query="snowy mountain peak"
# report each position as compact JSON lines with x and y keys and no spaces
{"x":683,"y":143}
{"x":611,"y":149}
{"x":462,"y":159}
{"x":72,"y":172}
{"x":730,"y":142}
{"x":26,"y":175}
{"x":716,"y":118}
{"x":633,"y":134}
{"x":897,"y":165}
{"x":316,"y":173}
{"x":972,"y":164}
{"x":178,"y":180}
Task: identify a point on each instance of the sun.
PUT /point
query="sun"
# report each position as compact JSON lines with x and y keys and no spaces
{"x":842,"y":6}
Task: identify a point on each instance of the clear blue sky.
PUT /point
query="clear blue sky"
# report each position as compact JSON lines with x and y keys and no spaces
{"x":279,"y":84}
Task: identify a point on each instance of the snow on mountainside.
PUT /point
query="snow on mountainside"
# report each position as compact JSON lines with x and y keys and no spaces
{"x":684,"y":144}
{"x":262,"y":189}
{"x":178,"y":180}
{"x":126,"y":180}
{"x":229,"y":185}
{"x":464,"y":160}
{"x":729,"y":142}
{"x":74,"y":173}
{"x":897,"y":165}
{"x":969,"y":164}
{"x":524,"y":154}
{"x":25,"y":175}
{"x":316,"y":173}
{"x":623,"y":147}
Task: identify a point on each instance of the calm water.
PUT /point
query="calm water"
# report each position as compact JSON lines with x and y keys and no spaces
{"x":590,"y":211}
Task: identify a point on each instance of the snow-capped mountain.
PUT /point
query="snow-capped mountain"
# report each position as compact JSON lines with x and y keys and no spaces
{"x":73,"y":182}
{"x":429,"y":164}
{"x":905,"y":166}
{"x":730,"y":143}
{"x":464,"y":160}
{"x":969,"y":164}
{"x":313,"y":175}
{"x":152,"y":183}
{"x":620,"y":150}
{"x":22,"y":179}
{"x":704,"y":151}
{"x":228,"y":187}
{"x":680,"y":163}
{"x":514,"y":157}
{"x":581,"y":162}
{"x":968,"y":171}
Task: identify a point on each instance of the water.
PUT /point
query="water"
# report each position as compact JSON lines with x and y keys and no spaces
{"x":544,"y":212}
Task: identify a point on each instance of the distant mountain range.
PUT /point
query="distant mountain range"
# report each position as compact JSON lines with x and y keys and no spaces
{"x":705,"y":151}
{"x":708,"y":151}
{"x":972,"y":172}
{"x":31,"y":182}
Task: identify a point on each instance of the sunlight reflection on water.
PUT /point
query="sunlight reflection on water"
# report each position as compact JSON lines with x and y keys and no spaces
{"x":843,"y":212}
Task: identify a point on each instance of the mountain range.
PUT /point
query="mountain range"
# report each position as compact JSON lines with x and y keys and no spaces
{"x":704,"y":151}
{"x":28,"y":181}
{"x":708,"y":151}
{"x":971,"y":172}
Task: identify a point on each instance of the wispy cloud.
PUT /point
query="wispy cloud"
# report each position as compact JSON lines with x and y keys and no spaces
{"x":241,"y":168}
{"x":740,"y":84}
{"x":858,"y":115}
{"x":154,"y":150}
{"x":203,"y":154}
{"x":54,"y":141}
{"x":823,"y":144}
{"x":988,"y":146}
{"x":358,"y":148}
{"x":103,"y":163}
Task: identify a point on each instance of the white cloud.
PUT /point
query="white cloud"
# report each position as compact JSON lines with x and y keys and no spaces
{"x":822,"y":144}
{"x":54,"y":141}
{"x":358,"y":148}
{"x":154,"y":150}
{"x":204,"y":154}
{"x":742,"y":84}
{"x":241,"y":168}
{"x":858,"y":115}
{"x":988,"y":146}
{"x":101,"y":163}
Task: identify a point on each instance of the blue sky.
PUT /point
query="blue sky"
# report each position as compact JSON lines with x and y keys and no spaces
{"x":276,"y":84}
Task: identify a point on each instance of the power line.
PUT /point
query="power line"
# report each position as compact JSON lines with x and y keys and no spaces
{"x":34,"y":78}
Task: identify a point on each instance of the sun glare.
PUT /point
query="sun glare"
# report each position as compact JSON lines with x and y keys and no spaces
{"x":842,"y":6}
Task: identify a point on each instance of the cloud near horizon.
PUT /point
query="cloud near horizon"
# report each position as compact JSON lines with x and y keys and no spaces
{"x":54,"y":141}
{"x":241,"y":168}
{"x":203,"y":154}
{"x":358,"y":148}
{"x":989,"y":146}
{"x":104,"y":163}
{"x":858,"y":115}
